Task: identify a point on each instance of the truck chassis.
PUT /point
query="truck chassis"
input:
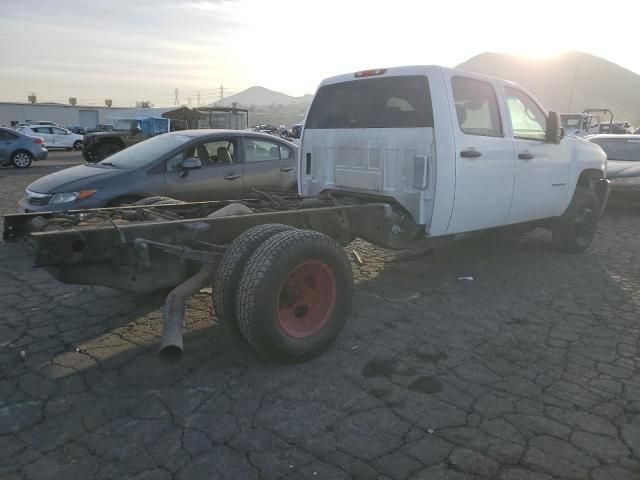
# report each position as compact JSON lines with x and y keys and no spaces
{"x":292,"y":315}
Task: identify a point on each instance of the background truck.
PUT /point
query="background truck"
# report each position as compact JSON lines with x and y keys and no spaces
{"x":588,"y":122}
{"x":400,"y":157}
{"x":126,"y":132}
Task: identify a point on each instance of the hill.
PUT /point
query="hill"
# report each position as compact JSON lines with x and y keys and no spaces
{"x":260,"y":97}
{"x":598,"y":82}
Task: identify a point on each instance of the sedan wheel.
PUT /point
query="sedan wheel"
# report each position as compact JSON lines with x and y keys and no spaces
{"x":21,"y":159}
{"x":77,"y":145}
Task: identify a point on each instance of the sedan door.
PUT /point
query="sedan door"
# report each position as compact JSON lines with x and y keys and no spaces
{"x":268,"y":164}
{"x":220,"y":176}
{"x":8,"y":142}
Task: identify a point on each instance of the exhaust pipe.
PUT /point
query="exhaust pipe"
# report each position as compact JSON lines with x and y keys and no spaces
{"x":171,"y":348}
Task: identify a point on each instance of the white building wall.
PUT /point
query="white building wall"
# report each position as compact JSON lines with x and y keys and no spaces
{"x":68,"y":115}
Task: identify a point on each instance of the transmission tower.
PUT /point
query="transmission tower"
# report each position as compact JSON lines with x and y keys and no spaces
{"x":198,"y":103}
{"x":176,"y":101}
{"x":221,"y":93}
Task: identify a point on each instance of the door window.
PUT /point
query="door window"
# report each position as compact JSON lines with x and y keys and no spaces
{"x":262,"y":150}
{"x":46,"y":130}
{"x":210,"y":154}
{"x":214,"y":153}
{"x":527,"y":119}
{"x":5,"y":136}
{"x":59,"y":131}
{"x":476,"y":107}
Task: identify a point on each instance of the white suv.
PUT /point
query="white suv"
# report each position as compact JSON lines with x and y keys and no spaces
{"x":54,"y":137}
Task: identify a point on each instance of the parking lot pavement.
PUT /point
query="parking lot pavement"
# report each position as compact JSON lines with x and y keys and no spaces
{"x":13,"y":181}
{"x":527,"y":371}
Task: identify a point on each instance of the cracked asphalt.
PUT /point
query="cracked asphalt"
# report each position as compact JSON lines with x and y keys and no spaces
{"x":528,"y":371}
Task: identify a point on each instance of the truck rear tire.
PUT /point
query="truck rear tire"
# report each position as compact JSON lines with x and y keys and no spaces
{"x":230,"y":269}
{"x":574,"y":231}
{"x":294,"y":295}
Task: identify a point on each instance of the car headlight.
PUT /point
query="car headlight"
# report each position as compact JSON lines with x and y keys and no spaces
{"x":72,"y":196}
{"x":626,"y":181}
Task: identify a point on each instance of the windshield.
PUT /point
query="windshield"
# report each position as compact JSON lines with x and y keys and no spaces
{"x":388,"y":102}
{"x":124,"y":124}
{"x":621,"y":149}
{"x":145,"y":153}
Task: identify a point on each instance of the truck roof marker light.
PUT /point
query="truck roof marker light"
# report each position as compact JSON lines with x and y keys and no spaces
{"x":370,"y":73}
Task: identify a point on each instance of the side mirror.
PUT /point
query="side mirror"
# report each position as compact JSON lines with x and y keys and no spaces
{"x":189,"y":164}
{"x":134,"y":130}
{"x":554,"y":132}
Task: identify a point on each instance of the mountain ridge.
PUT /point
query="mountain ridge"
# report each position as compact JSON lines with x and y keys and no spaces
{"x":260,"y":96}
{"x":596,"y":82}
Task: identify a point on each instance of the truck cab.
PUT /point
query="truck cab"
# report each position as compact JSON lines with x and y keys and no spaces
{"x":456,"y":151}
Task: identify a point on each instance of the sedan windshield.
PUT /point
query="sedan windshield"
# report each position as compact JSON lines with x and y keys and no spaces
{"x":621,"y":149}
{"x":145,"y":153}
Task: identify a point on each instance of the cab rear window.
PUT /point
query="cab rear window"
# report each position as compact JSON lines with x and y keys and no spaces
{"x":389,"y":102}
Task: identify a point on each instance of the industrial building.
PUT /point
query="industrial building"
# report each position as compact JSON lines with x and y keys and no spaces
{"x":13,"y":113}
{"x":88,"y":116}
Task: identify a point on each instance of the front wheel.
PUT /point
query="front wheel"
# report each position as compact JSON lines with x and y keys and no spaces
{"x":574,"y":231}
{"x":77,"y":145}
{"x":294,"y":295}
{"x":21,"y":159}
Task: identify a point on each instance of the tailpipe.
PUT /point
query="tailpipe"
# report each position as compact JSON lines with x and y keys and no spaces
{"x":171,"y":346}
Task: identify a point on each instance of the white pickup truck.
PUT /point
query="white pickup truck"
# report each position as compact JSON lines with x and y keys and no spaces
{"x":457,"y":151}
{"x":399,"y":157}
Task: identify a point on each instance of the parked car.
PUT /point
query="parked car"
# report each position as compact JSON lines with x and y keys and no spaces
{"x":20,"y":150}
{"x":78,"y":129}
{"x":127,"y":132}
{"x":191,"y":165}
{"x":623,"y":165}
{"x":54,"y":137}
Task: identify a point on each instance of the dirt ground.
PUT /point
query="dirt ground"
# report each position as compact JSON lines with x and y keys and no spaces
{"x":528,"y":371}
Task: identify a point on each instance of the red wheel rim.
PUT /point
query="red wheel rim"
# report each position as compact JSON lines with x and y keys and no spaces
{"x":307,"y":298}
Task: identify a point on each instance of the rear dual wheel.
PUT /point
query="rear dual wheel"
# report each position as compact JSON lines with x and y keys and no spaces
{"x":293,"y":295}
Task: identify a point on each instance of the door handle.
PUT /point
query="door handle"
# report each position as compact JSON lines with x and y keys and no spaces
{"x":525,"y":156}
{"x":286,"y":169}
{"x":232,"y":177}
{"x":471,"y":153}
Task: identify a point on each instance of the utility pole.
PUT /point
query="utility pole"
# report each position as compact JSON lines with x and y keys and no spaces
{"x":176,"y":102}
{"x":198,"y":103}
{"x":221,"y":93}
{"x":573,"y":86}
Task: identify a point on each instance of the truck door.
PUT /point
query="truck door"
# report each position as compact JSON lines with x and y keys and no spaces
{"x":542,"y":168}
{"x":484,"y":156}
{"x":219,"y":178}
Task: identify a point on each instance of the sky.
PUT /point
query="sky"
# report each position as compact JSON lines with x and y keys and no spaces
{"x":128,"y":50}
